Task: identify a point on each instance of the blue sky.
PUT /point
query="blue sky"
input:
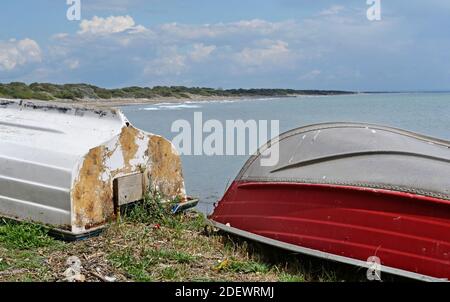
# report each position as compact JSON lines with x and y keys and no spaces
{"x":299,"y":44}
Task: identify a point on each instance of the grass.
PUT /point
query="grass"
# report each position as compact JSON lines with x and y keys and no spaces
{"x":3,"y":265}
{"x":23,"y":236}
{"x":247,"y":267}
{"x":285,"y":277}
{"x":150,"y":244}
{"x":151,"y":209}
{"x":170,"y":255}
{"x":136,"y":268}
{"x":144,"y":266}
{"x":22,"y":251}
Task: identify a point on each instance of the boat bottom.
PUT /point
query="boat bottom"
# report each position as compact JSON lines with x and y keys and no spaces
{"x":319,"y":254}
{"x":68,"y":236}
{"x":405,"y":231}
{"x":64,"y":235}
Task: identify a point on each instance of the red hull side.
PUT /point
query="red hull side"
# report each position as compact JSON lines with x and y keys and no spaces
{"x":406,"y":231}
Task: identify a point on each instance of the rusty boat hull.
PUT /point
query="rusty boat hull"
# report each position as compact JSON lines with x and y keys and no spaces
{"x":350,"y":193}
{"x":71,"y":167}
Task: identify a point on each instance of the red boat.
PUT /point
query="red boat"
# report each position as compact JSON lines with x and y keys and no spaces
{"x":348,"y":192}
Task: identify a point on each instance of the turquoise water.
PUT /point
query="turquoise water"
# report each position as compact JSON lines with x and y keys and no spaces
{"x":208,"y":176}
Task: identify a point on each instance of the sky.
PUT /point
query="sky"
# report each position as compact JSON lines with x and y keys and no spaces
{"x":299,"y":44}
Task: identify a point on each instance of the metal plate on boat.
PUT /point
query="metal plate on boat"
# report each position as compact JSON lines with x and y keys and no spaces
{"x":128,"y":189}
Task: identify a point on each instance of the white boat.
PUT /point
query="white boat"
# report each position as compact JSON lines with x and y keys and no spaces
{"x":71,"y":167}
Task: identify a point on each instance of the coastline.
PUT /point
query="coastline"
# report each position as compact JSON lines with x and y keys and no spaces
{"x":122,"y":102}
{"x":159,"y":100}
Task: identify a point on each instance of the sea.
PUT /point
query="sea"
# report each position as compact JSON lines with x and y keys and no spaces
{"x":207,"y":177}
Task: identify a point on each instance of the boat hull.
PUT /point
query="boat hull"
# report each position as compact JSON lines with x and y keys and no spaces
{"x":409,"y":233}
{"x":72,"y":167}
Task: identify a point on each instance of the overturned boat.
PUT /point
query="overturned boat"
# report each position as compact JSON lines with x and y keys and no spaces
{"x":351,"y":193}
{"x":72,"y":167}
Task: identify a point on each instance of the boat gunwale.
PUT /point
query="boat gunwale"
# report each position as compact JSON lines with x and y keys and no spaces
{"x":361,"y":188}
{"x":367,"y":186}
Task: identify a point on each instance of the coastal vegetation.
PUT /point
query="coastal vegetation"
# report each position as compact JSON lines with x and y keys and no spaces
{"x":47,"y":92}
{"x":149,"y":243}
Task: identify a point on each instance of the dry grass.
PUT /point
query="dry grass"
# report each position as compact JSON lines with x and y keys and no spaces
{"x":150,"y":244}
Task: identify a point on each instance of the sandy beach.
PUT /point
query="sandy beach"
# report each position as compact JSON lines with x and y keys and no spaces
{"x":120,"y":102}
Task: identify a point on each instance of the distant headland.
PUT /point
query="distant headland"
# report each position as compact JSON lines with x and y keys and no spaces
{"x":90,"y":94}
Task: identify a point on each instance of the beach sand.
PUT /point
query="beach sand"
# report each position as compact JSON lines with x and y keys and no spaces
{"x":119,"y":102}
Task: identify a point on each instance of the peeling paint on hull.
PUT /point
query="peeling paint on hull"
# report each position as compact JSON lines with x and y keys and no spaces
{"x":166,"y":174}
{"x":72,"y":155}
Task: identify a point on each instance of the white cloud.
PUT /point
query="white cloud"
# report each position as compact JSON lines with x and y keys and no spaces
{"x":201,"y":52}
{"x":169,"y":63}
{"x":109,"y":25}
{"x":244,"y":27}
{"x":332,"y":10}
{"x":267,"y":54}
{"x":60,"y":36}
{"x":313,"y":74}
{"x":15,"y":53}
{"x":221,"y":54}
{"x":73,"y":64}
{"x":111,"y":5}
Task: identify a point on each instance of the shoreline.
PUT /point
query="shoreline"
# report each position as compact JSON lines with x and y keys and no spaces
{"x":119,"y":102}
{"x":196,"y":99}
{"x":123,"y":102}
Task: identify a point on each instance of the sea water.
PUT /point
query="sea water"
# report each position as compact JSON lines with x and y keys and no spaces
{"x":207,"y":177}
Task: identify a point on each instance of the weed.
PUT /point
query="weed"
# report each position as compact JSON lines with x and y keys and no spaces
{"x":152,"y":244}
{"x":170,"y":255}
{"x":285,"y":277}
{"x":153,"y":209}
{"x":3,"y":265}
{"x":169,"y":273}
{"x":24,"y":236}
{"x":246,"y":267}
{"x":135,"y":268}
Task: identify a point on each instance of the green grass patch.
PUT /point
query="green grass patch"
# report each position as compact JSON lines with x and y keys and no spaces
{"x":24,"y":236}
{"x":285,"y":277}
{"x":169,"y":273}
{"x":143,"y":267}
{"x":247,"y":267}
{"x":23,"y":266}
{"x":152,"y":244}
{"x":196,"y":222}
{"x":170,"y":255}
{"x":136,"y":268}
{"x":3,"y":265}
{"x":155,"y":209}
{"x":22,"y":250}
